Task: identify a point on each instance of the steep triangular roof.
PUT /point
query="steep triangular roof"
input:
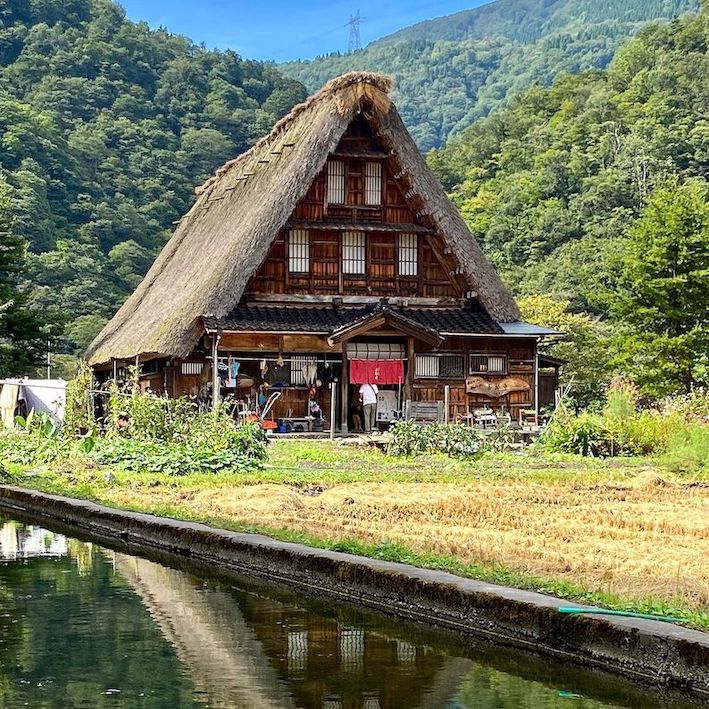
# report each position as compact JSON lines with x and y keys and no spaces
{"x":227,"y":233}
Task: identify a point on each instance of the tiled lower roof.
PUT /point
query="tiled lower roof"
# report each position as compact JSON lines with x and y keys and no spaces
{"x":323,"y":320}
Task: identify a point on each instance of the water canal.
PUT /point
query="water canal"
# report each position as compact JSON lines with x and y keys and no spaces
{"x":86,"y":626}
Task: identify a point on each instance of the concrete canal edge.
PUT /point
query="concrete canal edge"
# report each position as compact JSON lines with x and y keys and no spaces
{"x":653,"y":653}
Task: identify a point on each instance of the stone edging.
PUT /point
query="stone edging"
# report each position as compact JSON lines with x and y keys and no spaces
{"x":658,"y":654}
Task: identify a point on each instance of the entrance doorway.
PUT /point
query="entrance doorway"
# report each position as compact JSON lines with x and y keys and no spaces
{"x":376,"y":373}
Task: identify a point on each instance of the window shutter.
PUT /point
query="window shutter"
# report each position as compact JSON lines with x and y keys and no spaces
{"x":336,"y":182}
{"x":299,"y":251}
{"x":372,"y":183}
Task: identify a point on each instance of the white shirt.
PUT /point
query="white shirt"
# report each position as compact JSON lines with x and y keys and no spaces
{"x":368,"y":392}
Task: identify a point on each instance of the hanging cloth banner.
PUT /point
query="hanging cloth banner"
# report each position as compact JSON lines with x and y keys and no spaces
{"x":376,"y":371}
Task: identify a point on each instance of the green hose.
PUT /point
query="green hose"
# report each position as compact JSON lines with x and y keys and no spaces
{"x":625,"y":614}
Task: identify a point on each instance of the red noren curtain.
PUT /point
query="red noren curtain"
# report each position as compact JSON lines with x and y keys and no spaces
{"x":376,"y":371}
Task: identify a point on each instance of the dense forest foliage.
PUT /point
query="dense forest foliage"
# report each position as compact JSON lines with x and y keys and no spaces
{"x":595,"y":191}
{"x":23,"y":330}
{"x":455,"y":69}
{"x":105,"y":128}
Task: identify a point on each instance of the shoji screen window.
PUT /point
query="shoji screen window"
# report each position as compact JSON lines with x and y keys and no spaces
{"x":336,"y":182}
{"x":354,"y":253}
{"x":299,"y":251}
{"x":373,"y":183}
{"x":408,"y":255}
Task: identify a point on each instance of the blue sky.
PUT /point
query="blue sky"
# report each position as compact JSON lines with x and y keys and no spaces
{"x":280,"y":30}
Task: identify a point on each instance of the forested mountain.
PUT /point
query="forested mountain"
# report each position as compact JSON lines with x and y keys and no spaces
{"x":595,"y":190}
{"x":105,"y":128}
{"x":455,"y":69}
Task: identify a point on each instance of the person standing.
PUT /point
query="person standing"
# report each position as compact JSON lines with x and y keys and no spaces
{"x":368,"y":397}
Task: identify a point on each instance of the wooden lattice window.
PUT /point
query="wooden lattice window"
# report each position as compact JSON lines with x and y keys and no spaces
{"x":488,"y":364}
{"x":299,"y":251}
{"x":408,"y":255}
{"x":372,"y":183}
{"x":297,"y":365}
{"x":354,"y":253}
{"x":443,"y":366}
{"x":191,"y":368}
{"x":336,"y":182}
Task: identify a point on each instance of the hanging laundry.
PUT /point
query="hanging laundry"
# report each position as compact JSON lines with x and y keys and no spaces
{"x":263,"y":367}
{"x":310,"y":372}
{"x":280,"y":361}
{"x":232,"y":372}
{"x":223,"y":371}
{"x":326,"y":374}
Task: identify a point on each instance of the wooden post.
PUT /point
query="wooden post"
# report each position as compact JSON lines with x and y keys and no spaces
{"x":215,"y":371}
{"x":344,"y":389}
{"x":446,"y":403}
{"x":410,"y":368}
{"x":333,"y":399}
{"x":536,"y":383}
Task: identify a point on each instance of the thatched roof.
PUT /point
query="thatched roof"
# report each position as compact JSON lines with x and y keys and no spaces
{"x":227,"y":233}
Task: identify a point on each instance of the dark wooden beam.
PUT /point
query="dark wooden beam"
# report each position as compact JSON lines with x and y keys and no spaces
{"x":357,"y":226}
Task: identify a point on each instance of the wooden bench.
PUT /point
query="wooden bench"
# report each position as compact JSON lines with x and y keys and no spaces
{"x":424,"y":411}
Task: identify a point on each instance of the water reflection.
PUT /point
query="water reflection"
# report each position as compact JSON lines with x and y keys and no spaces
{"x":81,"y":626}
{"x":18,"y":541}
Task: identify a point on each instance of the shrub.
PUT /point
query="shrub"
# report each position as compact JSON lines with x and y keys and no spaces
{"x":617,"y":430}
{"x":410,"y":438}
{"x":144,"y":432}
{"x":147,"y":416}
{"x":244,"y":449}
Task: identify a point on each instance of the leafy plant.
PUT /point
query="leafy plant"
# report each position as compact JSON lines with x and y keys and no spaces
{"x":78,"y":412}
{"x":409,"y":438}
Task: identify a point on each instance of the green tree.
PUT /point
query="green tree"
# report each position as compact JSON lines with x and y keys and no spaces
{"x":22,"y":341}
{"x":585,"y":347}
{"x":661,"y":293}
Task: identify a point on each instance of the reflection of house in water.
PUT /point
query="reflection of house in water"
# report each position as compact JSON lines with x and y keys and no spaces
{"x":218,"y":650}
{"x":333,"y":665}
{"x":244,"y":650}
{"x":19,"y":541}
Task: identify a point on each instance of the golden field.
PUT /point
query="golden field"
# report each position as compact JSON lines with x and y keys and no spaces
{"x":627,"y":529}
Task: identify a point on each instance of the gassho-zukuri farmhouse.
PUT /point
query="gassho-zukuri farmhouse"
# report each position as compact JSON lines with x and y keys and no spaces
{"x":326,"y":256}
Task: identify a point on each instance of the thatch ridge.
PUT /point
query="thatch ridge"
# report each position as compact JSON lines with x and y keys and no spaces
{"x":227,"y":233}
